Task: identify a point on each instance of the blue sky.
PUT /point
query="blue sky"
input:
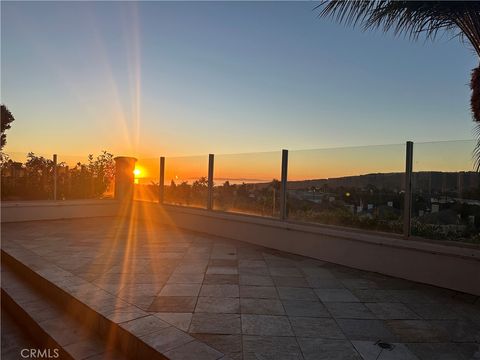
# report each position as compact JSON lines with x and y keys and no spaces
{"x":180,"y":78}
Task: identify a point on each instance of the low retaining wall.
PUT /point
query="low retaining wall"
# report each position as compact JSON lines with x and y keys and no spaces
{"x":51,"y":210}
{"x":455,"y":267}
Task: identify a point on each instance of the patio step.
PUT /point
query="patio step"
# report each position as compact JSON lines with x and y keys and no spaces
{"x":54,"y":332}
{"x":73,"y":315}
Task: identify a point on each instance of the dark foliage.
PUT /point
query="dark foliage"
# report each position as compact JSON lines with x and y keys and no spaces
{"x":6,"y":119}
{"x":34,"y":179}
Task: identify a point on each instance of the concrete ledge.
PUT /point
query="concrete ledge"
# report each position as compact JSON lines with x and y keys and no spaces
{"x":434,"y":263}
{"x":14,"y":211}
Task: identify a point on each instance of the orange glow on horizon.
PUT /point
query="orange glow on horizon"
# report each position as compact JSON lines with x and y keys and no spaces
{"x":313,"y":164}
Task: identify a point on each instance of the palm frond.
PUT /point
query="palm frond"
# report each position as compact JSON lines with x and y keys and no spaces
{"x":476,"y":151}
{"x":475,"y":98}
{"x":410,"y":18}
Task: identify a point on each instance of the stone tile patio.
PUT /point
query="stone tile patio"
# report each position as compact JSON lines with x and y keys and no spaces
{"x":250,"y":302}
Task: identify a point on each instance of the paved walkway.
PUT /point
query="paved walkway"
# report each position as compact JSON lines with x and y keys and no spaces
{"x":255,"y":303}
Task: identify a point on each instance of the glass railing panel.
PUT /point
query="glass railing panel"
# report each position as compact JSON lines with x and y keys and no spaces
{"x":446,"y":191}
{"x":186,"y":181}
{"x":248,"y":183}
{"x":358,"y":187}
{"x":146,"y":178}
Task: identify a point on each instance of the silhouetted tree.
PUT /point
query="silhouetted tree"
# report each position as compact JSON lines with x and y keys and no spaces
{"x":39,"y":172}
{"x":6,"y":119}
{"x":34,"y":179}
{"x":199,"y":190}
{"x":102,"y":171}
{"x":184,"y":192}
{"x":200,"y":184}
{"x":413,"y":18}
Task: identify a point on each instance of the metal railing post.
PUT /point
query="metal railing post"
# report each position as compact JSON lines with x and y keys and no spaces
{"x":211,"y":159}
{"x":161,"y":183}
{"x":283,"y":184}
{"x":54,"y":176}
{"x":407,"y":207}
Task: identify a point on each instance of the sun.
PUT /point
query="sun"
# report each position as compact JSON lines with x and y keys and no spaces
{"x":137,"y":172}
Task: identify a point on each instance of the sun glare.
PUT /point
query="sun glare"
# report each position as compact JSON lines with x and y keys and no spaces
{"x":137,"y":172}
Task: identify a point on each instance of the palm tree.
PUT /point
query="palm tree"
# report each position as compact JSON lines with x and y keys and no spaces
{"x":413,"y":19}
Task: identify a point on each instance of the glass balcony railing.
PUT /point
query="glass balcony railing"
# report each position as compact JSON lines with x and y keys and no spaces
{"x":446,"y":191}
{"x":248,"y":183}
{"x":146,"y":178}
{"x":186,"y":181}
{"x":361,"y":187}
{"x":354,"y":187}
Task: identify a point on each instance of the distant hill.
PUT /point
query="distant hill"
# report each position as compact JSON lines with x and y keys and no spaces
{"x":429,"y":181}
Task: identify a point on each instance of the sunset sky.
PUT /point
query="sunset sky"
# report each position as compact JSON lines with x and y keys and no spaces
{"x":155,"y":78}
